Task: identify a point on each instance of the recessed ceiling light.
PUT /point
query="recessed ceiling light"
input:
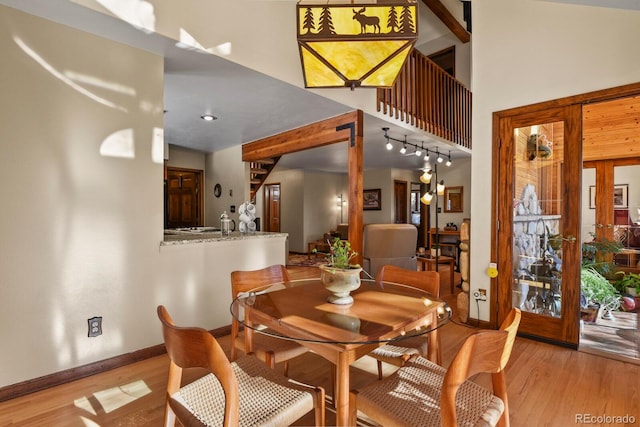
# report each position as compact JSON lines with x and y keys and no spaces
{"x":208,"y":117}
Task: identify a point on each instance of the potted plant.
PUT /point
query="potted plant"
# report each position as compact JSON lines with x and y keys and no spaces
{"x":339,"y":276}
{"x":597,"y":294}
{"x":628,"y":283}
{"x":598,"y":255}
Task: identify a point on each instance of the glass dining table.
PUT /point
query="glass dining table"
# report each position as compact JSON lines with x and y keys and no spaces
{"x":382,"y":312}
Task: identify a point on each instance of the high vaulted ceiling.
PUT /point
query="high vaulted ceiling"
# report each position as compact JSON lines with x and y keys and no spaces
{"x":249,"y":105}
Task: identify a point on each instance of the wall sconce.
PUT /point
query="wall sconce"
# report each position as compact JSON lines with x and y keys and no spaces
{"x":340,"y":204}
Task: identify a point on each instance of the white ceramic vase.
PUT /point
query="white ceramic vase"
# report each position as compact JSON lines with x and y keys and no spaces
{"x":340,"y":282}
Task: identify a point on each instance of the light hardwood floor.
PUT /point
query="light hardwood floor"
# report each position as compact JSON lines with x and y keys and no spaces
{"x":547,"y":385}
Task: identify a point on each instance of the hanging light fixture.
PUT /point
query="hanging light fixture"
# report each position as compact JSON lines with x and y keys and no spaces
{"x":439,"y":159}
{"x":403,"y":149}
{"x":426,"y":155}
{"x":425,"y":178}
{"x":426,"y":198}
{"x":355,"y":45}
{"x":419,"y":151}
{"x":449,"y":159}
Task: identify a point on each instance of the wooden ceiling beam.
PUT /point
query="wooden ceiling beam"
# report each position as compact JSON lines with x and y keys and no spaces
{"x":309,"y":136}
{"x":448,"y":19}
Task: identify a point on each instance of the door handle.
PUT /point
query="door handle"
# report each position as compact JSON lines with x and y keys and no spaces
{"x":569,"y":238}
{"x":609,"y":226}
{"x":599,"y":225}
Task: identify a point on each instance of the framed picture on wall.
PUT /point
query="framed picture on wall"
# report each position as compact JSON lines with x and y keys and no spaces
{"x":372,"y":200}
{"x":620,"y":196}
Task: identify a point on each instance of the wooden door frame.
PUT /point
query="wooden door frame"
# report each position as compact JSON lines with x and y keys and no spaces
{"x":346,"y":127}
{"x":501,"y":204}
{"x":267,"y":205}
{"x":199,"y":189}
{"x":407,"y":192}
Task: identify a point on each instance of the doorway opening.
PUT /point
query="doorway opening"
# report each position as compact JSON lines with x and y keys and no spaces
{"x":610,"y":214}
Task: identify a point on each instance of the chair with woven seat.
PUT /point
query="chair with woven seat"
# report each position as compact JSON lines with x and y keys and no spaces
{"x":244,"y":392}
{"x":427,"y":345}
{"x":422,"y":393}
{"x":270,"y":349}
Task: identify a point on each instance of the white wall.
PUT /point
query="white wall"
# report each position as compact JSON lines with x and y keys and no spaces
{"x":80,"y":230}
{"x":225,"y":167}
{"x":81,"y":178}
{"x":180,"y":157}
{"x":527,"y":51}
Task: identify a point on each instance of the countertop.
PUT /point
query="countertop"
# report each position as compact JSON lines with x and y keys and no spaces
{"x":213,"y":236}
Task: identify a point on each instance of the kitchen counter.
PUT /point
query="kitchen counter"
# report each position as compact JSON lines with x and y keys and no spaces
{"x":187,"y":237}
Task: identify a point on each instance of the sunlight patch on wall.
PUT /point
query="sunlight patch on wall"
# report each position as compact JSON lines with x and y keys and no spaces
{"x":157,"y":146}
{"x":119,"y":144}
{"x":60,"y":76}
{"x":187,"y":41}
{"x":138,"y":13}
{"x":100,"y":83}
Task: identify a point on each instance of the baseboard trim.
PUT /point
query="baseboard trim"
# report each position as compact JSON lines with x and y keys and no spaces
{"x":62,"y":377}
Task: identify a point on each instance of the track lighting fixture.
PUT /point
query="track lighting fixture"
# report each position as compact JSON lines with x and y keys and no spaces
{"x":419,"y":150}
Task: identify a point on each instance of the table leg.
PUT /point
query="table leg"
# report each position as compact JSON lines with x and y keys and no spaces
{"x":310,"y":247}
{"x":342,"y":391}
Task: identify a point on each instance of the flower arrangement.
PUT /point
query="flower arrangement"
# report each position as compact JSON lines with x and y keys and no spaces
{"x":340,"y":254}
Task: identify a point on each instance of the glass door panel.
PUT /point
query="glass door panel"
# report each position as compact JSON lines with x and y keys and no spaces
{"x":537,"y":218}
{"x":538,"y":209}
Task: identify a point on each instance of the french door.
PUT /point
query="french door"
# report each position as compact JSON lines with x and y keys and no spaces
{"x":538,"y":206}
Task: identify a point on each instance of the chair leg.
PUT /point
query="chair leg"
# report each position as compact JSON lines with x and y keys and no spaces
{"x":270,"y":359}
{"x":353,"y":408}
{"x":379,"y":369}
{"x":286,"y":368}
{"x":319,"y":407}
{"x":333,"y":384}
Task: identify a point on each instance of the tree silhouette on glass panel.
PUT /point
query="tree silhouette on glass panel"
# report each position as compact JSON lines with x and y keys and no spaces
{"x":392,"y":20}
{"x":308,"y":24}
{"x":406,"y":21}
{"x":326,"y":23}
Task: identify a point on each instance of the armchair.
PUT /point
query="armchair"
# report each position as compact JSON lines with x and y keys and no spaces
{"x":389,"y":244}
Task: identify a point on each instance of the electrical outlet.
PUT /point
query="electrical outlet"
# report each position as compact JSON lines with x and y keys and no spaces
{"x":95,"y":326}
{"x":480,"y":295}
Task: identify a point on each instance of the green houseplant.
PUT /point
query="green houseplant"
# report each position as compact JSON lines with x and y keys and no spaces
{"x":628,"y":283}
{"x":598,"y":294}
{"x":339,"y":276}
{"x":340,"y":254}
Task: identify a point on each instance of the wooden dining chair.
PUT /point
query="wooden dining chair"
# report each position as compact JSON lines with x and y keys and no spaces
{"x":422,"y":393}
{"x":429,"y":344}
{"x":244,"y":392}
{"x":268,"y":348}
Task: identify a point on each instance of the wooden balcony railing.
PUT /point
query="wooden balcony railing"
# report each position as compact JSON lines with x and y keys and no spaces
{"x":427,"y":97}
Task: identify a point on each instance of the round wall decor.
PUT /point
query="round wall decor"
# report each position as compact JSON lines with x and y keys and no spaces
{"x":217,"y":190}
